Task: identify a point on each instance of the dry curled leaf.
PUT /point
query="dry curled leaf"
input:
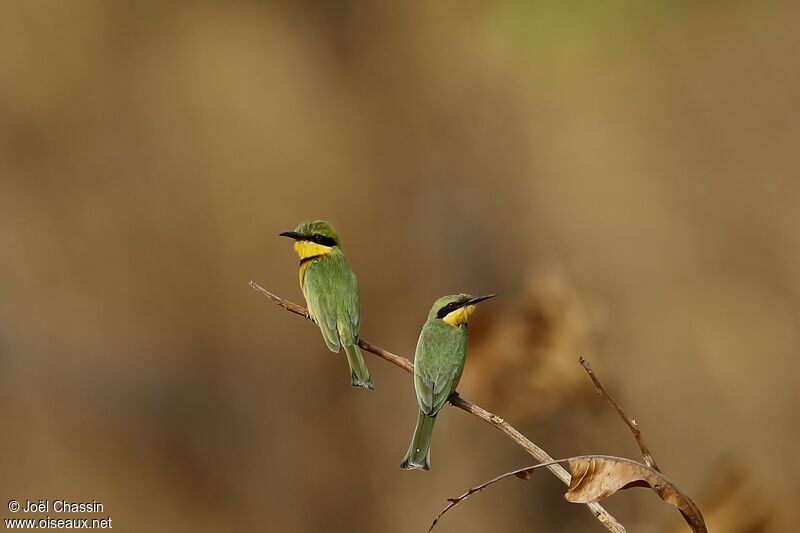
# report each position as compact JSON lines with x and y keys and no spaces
{"x":595,"y":478}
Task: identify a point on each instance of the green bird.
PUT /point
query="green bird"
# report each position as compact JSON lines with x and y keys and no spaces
{"x":438,"y":363}
{"x":331,"y":292}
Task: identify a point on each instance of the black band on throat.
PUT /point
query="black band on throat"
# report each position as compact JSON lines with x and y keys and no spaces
{"x":309,"y":258}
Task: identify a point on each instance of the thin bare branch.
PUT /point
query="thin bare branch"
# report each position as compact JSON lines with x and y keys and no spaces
{"x":455,"y":501}
{"x":634,"y":427}
{"x":603,"y":516}
{"x":655,"y":480}
{"x":286,"y":304}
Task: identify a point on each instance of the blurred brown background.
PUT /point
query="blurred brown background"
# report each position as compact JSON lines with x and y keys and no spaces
{"x":624,"y":175}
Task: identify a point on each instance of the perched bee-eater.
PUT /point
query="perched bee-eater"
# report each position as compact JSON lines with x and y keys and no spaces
{"x":438,"y":363}
{"x":331,"y":292}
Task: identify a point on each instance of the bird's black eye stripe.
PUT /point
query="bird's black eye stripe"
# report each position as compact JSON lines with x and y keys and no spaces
{"x":449,"y":308}
{"x":322,"y":239}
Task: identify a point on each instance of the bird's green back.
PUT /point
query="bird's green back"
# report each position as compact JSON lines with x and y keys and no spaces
{"x":331,"y":292}
{"x":438,"y":363}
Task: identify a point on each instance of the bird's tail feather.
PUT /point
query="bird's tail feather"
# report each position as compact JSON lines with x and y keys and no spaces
{"x":419,"y":452}
{"x":358,"y":369}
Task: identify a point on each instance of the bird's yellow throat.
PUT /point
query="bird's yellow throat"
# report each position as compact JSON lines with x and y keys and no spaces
{"x":459,"y":316}
{"x":306,"y":249}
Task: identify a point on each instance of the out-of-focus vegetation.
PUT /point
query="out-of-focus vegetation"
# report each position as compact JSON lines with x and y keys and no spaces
{"x":624,"y":175}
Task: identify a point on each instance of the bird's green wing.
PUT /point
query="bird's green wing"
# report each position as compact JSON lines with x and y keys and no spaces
{"x":438,"y":363}
{"x":349,"y":308}
{"x":331,"y":293}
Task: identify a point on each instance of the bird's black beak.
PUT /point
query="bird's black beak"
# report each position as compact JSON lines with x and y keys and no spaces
{"x":479,"y":298}
{"x":291,"y":234}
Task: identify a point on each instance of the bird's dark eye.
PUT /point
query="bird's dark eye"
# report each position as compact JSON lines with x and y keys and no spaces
{"x":317,"y":239}
{"x":447,"y":309}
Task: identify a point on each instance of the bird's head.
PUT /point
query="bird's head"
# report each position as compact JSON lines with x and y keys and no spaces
{"x":455,"y":310}
{"x":313,"y":239}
